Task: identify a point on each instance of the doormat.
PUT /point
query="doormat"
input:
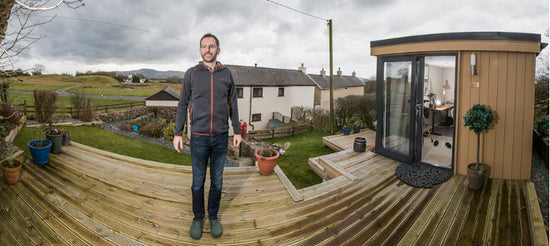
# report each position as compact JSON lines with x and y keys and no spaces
{"x":422,"y":176}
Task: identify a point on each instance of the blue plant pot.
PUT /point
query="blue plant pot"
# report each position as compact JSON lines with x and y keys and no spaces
{"x":40,"y":155}
{"x":347,"y":131}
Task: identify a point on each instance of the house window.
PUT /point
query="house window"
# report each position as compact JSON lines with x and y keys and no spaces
{"x":281,"y":92}
{"x":257,"y":92}
{"x":256,"y":117}
{"x":240,"y":92}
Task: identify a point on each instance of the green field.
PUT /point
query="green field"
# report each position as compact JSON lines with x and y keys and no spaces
{"x":89,"y":85}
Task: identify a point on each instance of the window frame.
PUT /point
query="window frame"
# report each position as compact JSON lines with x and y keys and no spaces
{"x":254,"y":119}
{"x":260,"y":89}
{"x":279,"y":94}
{"x":240,"y":92}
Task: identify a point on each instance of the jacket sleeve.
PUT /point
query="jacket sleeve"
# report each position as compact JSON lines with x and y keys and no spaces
{"x":233,"y":105}
{"x":185,"y":95}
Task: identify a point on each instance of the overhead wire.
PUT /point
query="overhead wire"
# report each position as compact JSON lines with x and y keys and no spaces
{"x":296,"y":10}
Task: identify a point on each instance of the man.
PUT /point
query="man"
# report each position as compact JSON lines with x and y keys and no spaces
{"x":209,"y":93}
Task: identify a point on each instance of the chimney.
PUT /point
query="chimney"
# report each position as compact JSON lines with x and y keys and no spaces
{"x":323,"y":72}
{"x":302,"y":68}
{"x":339,"y":72}
{"x":353,"y":74}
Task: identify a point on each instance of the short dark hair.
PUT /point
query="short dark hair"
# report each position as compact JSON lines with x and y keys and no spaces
{"x":210,"y":35}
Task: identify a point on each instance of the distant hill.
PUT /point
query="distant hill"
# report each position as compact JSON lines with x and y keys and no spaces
{"x":152,"y":73}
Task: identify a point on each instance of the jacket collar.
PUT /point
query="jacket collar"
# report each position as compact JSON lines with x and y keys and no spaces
{"x":219,"y":65}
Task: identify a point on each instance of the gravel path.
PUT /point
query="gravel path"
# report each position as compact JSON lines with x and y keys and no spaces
{"x":539,"y":167}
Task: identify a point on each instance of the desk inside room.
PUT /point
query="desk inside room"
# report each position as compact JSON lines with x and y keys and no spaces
{"x":445,"y":107}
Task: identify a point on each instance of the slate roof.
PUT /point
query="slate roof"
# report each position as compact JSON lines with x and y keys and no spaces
{"x":262,"y":76}
{"x":166,"y":94}
{"x":340,"y":81}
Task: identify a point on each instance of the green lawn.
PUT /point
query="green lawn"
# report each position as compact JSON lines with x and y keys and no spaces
{"x":294,"y":162}
{"x":62,"y":101}
{"x":109,"y":141}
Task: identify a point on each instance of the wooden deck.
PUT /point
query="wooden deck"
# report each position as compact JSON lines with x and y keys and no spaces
{"x":343,"y":142}
{"x":86,"y":196}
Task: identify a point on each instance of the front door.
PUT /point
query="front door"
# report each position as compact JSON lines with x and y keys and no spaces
{"x":415,"y":104}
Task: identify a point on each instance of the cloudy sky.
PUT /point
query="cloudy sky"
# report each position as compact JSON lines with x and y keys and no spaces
{"x":111,"y":35}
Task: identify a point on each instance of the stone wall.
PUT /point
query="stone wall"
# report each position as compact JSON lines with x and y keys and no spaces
{"x":168,"y":113}
{"x":121,"y":115}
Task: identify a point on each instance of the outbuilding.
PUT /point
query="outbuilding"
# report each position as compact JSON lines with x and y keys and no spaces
{"x":426,"y":84}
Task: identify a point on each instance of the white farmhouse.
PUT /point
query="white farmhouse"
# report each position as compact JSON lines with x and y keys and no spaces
{"x":265,"y":93}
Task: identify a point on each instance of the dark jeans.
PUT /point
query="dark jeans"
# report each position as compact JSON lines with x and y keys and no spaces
{"x":204,"y":148}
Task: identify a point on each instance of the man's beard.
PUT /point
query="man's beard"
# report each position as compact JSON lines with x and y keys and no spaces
{"x":212,"y":58}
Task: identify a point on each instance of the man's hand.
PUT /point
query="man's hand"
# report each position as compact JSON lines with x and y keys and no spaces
{"x":237,"y":139}
{"x":178,"y":143}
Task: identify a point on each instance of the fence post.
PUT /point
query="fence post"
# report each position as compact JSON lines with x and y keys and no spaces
{"x":25,"y":107}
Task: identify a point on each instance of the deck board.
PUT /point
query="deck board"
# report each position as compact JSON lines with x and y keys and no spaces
{"x":88,"y":196}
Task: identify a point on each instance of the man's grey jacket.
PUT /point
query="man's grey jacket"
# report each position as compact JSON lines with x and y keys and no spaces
{"x":211,"y":98}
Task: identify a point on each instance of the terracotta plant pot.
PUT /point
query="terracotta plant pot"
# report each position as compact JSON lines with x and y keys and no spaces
{"x":476,"y":178}
{"x":11,"y":175}
{"x":266,"y":164}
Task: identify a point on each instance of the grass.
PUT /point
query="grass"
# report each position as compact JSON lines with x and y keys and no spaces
{"x":62,"y":101}
{"x":294,"y":162}
{"x":89,"y":85}
{"x":109,"y":141}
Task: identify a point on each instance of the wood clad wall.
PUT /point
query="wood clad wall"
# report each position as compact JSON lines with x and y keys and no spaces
{"x":506,"y":85}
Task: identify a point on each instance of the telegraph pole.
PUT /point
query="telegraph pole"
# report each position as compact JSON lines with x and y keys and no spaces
{"x":331,"y":117}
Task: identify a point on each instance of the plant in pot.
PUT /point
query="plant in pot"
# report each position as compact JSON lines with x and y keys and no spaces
{"x":66,"y":140}
{"x":347,"y":127}
{"x":11,"y":167}
{"x":267,"y":160}
{"x":56,"y":137}
{"x":432,"y":100}
{"x":357,"y":125}
{"x":40,"y":149}
{"x":478,"y":118}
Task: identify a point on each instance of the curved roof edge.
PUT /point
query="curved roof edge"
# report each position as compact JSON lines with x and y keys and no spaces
{"x":530,"y":37}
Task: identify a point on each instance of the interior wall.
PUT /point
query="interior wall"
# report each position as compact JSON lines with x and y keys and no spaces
{"x":438,"y":78}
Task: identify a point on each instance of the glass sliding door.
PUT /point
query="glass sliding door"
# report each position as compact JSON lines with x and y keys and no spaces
{"x":415,"y":104}
{"x":395,"y":134}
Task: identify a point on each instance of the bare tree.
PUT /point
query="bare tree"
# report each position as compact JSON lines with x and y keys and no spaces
{"x":38,"y":69}
{"x":18,"y":16}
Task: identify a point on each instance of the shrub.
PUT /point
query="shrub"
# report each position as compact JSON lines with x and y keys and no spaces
{"x":10,"y":113}
{"x":125,"y":127}
{"x":87,"y":110}
{"x":84,"y":109}
{"x":140,"y":121}
{"x":154,"y":129}
{"x":4,"y":86}
{"x":542,"y":127}
{"x":359,"y":108}
{"x":168,"y":132}
{"x":45,"y":105}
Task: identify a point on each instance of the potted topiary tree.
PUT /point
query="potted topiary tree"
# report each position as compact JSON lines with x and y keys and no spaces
{"x":11,"y":167}
{"x":478,"y":118}
{"x":267,"y":160}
